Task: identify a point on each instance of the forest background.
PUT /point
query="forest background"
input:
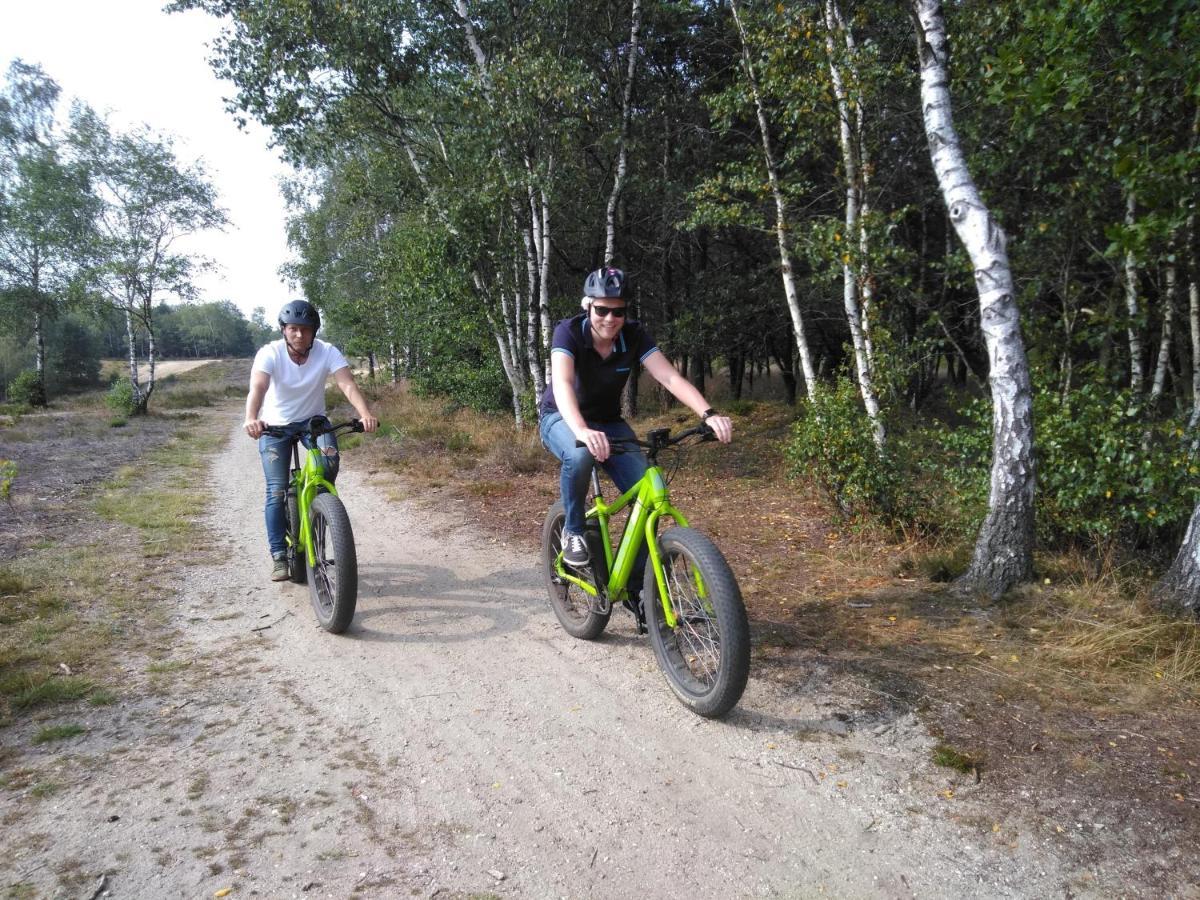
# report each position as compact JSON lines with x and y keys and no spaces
{"x":762,"y":172}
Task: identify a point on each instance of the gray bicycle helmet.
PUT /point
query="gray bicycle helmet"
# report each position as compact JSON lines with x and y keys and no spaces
{"x":607,"y":282}
{"x":300,"y":312}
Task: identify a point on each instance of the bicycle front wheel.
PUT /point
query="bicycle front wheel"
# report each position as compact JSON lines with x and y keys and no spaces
{"x":572,"y":605}
{"x":333,"y":570}
{"x":297,"y":573}
{"x":706,"y":656}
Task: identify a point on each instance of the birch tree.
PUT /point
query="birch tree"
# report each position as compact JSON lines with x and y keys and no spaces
{"x":46,"y":206}
{"x":850,"y":131}
{"x":781,"y":216}
{"x":149,"y":203}
{"x":1003,"y":554}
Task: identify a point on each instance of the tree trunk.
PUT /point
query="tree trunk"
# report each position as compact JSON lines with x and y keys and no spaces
{"x":151,"y":361}
{"x":131,"y":338}
{"x":614,"y":196}
{"x":505,"y":343}
{"x":1194,"y":318}
{"x":850,"y":162}
{"x":1003,"y":553}
{"x":781,"y":226}
{"x":1178,"y":591}
{"x":1136,"y":373}
{"x":1168,"y":331}
{"x":39,"y":351}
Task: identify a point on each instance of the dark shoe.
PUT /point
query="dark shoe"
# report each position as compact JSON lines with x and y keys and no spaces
{"x":279,"y":568}
{"x":634,"y":605}
{"x":575,"y":550}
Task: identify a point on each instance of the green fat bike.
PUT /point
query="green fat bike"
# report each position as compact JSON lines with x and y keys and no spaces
{"x":692,"y":604}
{"x":320,"y":542}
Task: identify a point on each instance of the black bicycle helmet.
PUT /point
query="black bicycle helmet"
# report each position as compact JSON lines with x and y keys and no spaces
{"x":300,"y":312}
{"x":606,"y":282}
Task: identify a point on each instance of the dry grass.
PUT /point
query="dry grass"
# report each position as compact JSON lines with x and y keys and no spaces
{"x":434,"y":442}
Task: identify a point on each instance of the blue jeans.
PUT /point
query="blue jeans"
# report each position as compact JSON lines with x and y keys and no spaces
{"x":276,"y":453}
{"x":623,"y":468}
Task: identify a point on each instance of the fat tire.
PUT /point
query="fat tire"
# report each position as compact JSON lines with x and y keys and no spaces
{"x":297,"y":571}
{"x":591,"y":625}
{"x":331,"y":531}
{"x":713,"y":699}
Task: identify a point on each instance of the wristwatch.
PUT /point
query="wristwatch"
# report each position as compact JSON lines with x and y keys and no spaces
{"x":708,"y":412}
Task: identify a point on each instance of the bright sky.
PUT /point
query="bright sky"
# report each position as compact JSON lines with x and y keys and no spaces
{"x":138,"y":64}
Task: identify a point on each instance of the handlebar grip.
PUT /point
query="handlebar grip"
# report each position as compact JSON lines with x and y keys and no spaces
{"x":358,"y":426}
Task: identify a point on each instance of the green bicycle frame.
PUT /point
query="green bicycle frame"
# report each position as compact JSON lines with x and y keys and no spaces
{"x":307,"y":480}
{"x":650,"y":503}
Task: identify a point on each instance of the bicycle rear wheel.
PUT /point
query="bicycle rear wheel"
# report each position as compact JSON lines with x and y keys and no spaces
{"x":297,"y":573}
{"x":706,"y":656}
{"x":572,"y":605}
{"x":333,"y":571}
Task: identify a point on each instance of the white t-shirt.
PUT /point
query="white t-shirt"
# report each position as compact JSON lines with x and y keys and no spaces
{"x":296,"y":392}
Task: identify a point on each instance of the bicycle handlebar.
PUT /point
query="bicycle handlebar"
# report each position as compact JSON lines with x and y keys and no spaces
{"x":316,"y":426}
{"x":659,"y":439}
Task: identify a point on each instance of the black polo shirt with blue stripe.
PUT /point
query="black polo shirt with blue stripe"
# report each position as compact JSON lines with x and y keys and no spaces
{"x":598,"y":382}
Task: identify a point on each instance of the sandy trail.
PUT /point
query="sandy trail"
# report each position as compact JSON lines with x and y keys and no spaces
{"x":456,"y":741}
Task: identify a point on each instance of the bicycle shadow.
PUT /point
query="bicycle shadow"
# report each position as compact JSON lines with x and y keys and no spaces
{"x":424,"y":603}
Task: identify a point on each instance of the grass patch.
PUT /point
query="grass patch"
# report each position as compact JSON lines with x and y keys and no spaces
{"x":69,"y":598}
{"x":167,"y":666}
{"x":11,"y":583}
{"x":25,"y":691}
{"x":52,"y":733}
{"x":946,"y":756}
{"x":198,"y":785}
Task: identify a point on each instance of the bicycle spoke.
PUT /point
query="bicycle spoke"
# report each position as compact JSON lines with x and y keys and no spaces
{"x":697,"y":636}
{"x":325,"y":585}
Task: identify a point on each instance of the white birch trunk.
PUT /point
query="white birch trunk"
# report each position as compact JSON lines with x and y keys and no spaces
{"x":610,"y":215}
{"x":531,"y":237}
{"x":1003,"y":553}
{"x":1168,"y":331}
{"x":544,"y":291}
{"x":1136,"y":373}
{"x":781,"y":227}
{"x":131,"y":339}
{"x":503,"y":334}
{"x":1178,"y":591}
{"x":39,"y":344}
{"x":151,"y":359}
{"x":1194,"y":320}
{"x":846,"y":120}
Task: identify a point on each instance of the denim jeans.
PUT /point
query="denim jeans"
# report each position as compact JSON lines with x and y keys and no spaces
{"x":623,"y":468}
{"x":276,"y":453}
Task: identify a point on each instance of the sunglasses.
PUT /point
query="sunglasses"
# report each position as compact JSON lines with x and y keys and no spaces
{"x":605,"y":311}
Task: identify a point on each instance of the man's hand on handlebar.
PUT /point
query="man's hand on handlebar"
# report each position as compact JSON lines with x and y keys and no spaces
{"x":369,"y":422}
{"x":596,"y":443}
{"x":254,"y":427}
{"x":722,"y":427}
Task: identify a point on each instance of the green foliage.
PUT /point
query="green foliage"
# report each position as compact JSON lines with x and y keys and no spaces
{"x":832,"y":443}
{"x":1107,"y":469}
{"x":8,"y":474}
{"x":72,"y":354}
{"x":120,"y":399}
{"x":27,"y":389}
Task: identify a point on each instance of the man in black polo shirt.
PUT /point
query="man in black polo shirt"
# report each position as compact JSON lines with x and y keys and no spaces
{"x":591,"y":356}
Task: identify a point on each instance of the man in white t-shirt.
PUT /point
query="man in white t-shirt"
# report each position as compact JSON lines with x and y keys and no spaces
{"x":287,"y":388}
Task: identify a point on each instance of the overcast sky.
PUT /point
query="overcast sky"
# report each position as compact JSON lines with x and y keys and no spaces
{"x":134,"y":62}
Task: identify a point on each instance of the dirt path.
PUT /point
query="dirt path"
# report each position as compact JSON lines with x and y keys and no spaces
{"x":456,"y":742}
